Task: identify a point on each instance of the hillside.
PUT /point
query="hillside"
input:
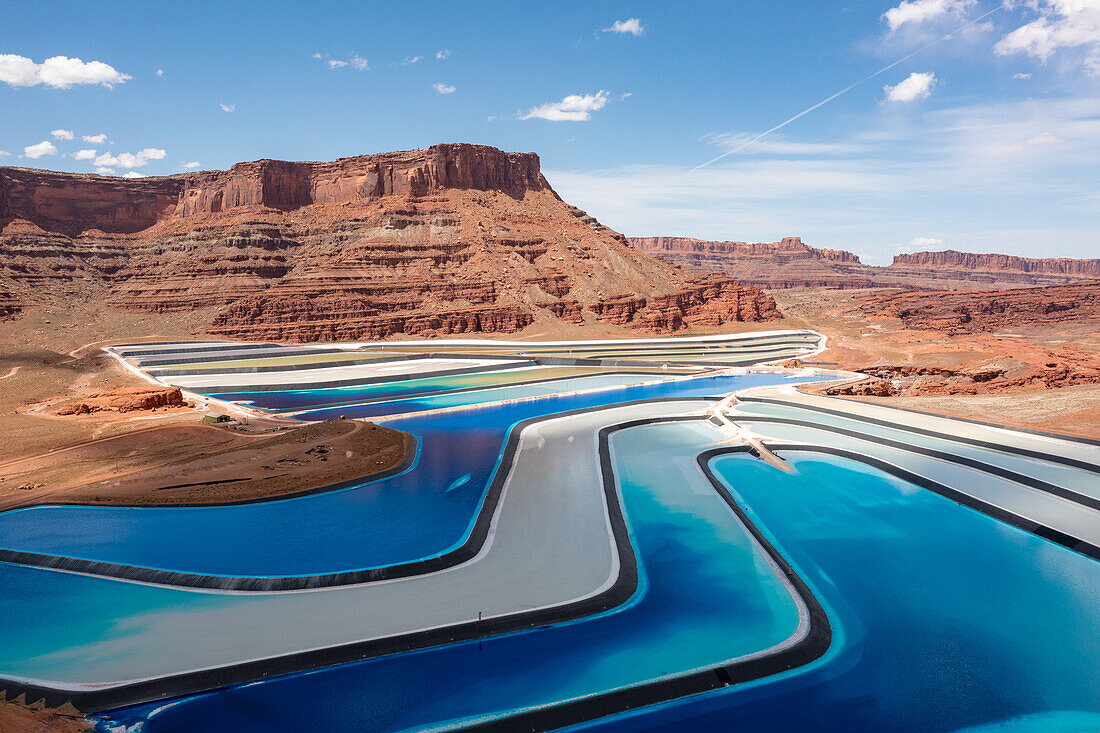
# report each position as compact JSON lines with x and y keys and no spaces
{"x":789,"y":263}
{"x":452,"y":239}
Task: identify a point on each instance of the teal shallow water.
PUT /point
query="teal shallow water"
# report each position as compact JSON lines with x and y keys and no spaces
{"x":707,"y":595}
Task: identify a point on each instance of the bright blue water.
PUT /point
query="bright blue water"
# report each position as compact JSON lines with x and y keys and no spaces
{"x":393,"y":520}
{"x":707,"y":595}
{"x":954,"y":620}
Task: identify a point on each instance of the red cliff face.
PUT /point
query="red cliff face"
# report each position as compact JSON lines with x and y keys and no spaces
{"x":789,"y":263}
{"x":284,"y":185}
{"x":996,"y":263}
{"x":452,"y":239}
{"x":70,"y":204}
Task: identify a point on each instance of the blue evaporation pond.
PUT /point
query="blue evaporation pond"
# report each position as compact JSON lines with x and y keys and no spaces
{"x":707,"y":595}
{"x":296,"y":399}
{"x":398,"y":519}
{"x":476,"y":397}
{"x":955,"y":620}
{"x":619,"y":392}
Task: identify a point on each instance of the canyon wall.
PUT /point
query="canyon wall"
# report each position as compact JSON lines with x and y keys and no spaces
{"x":452,"y":239}
{"x":789,"y":263}
{"x":997,"y":263}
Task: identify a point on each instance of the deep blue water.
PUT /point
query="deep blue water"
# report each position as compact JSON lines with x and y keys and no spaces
{"x":943,"y":619}
{"x":399,"y":519}
{"x":706,"y":595}
{"x":954,"y":620}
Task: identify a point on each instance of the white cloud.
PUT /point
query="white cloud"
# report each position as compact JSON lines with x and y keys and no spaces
{"x":925,"y":242}
{"x":317,"y":55}
{"x":573,"y":108}
{"x":440,"y":55}
{"x":105,"y":171}
{"x":1061,"y":24}
{"x":624,"y":95}
{"x":916,"y":86}
{"x":160,"y":72}
{"x":60,"y":134}
{"x":130,"y":160}
{"x":4,"y":154}
{"x":59,"y":72}
{"x":924,"y":11}
{"x":192,"y":164}
{"x":633,"y":26}
{"x":1021,"y":76}
{"x":355,"y":61}
{"x":227,"y":107}
{"x":133,"y":174}
{"x":39,"y":149}
{"x":99,"y":139}
{"x":490,"y":118}
{"x":409,"y":60}
{"x":443,"y":88}
{"x":88,"y":154}
{"x":1092,"y":65}
{"x":1044,"y":138}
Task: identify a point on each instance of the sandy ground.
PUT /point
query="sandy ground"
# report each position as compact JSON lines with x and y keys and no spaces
{"x":15,"y":718}
{"x":199,"y":463}
{"x":856,"y":342}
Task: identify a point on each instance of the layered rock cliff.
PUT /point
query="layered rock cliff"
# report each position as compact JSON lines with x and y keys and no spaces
{"x":791,"y":263}
{"x":997,"y":264}
{"x":788,"y":263}
{"x":990,"y":310}
{"x":453,"y":239}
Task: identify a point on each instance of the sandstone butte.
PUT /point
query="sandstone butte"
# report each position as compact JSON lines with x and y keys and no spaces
{"x":789,"y":263}
{"x":453,"y":239}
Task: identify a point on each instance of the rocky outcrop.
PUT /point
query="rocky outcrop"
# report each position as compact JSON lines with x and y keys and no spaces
{"x":125,"y":399}
{"x":989,"y":311}
{"x":1062,"y":367}
{"x":453,"y":239}
{"x":791,"y":263}
{"x":10,"y":307}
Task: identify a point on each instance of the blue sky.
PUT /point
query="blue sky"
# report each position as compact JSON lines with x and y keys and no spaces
{"x":989,"y":140}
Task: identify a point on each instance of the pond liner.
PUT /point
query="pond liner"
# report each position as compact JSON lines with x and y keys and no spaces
{"x":1029,"y":481}
{"x":1045,"y":456}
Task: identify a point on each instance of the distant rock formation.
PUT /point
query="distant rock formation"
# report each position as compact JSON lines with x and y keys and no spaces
{"x":990,"y":310}
{"x":999,"y":265}
{"x":452,"y":239}
{"x":789,"y":263}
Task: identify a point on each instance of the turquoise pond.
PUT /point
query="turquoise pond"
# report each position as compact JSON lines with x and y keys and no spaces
{"x":940,"y":617}
{"x":943,"y":619}
{"x":422,"y":512}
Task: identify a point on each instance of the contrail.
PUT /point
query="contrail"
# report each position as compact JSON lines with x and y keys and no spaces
{"x":848,"y":88}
